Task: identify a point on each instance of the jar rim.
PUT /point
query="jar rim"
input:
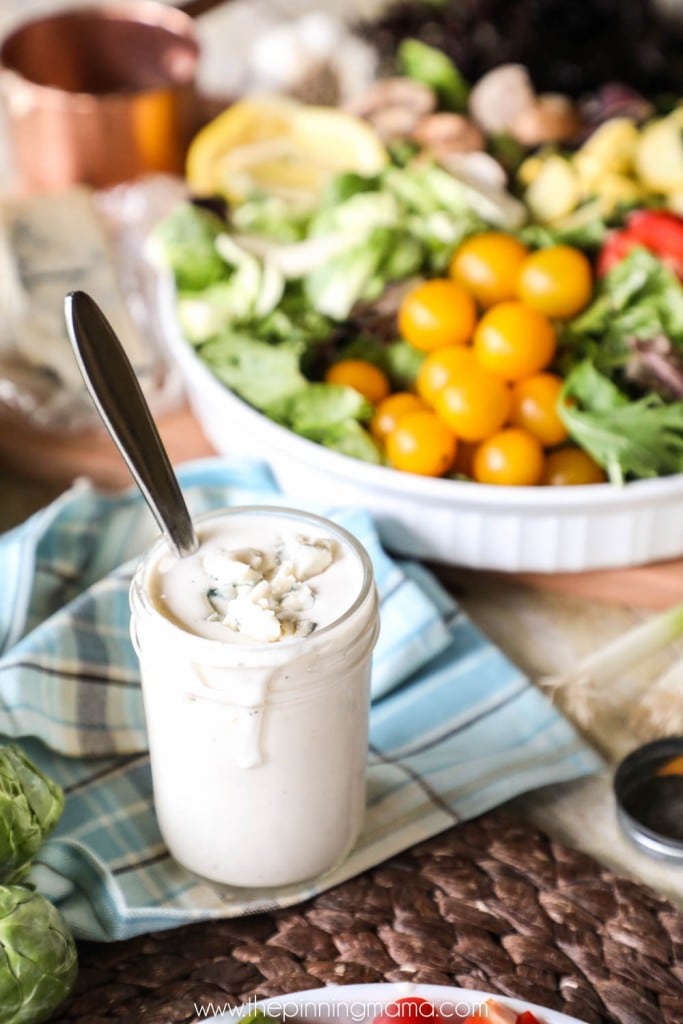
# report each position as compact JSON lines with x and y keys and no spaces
{"x":161,"y":547}
{"x":632,"y":772}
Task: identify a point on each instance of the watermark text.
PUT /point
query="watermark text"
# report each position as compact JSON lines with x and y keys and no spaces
{"x":346,"y":1012}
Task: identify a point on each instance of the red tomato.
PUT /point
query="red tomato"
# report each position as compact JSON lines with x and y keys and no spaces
{"x":527,"y":1018}
{"x":615,"y":248}
{"x":410,"y":1010}
{"x":658,"y":230}
{"x":493,"y":1012}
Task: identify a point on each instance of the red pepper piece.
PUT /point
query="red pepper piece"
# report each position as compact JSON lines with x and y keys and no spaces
{"x":617,"y":245}
{"x":527,"y":1018}
{"x":659,"y":231}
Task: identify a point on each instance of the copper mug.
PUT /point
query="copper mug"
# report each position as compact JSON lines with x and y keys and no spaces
{"x":100,"y":95}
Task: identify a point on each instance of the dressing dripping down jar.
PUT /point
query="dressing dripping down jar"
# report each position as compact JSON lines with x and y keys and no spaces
{"x":258,"y":750}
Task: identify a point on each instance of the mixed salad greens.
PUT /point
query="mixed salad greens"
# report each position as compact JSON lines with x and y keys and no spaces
{"x":624,"y":357}
{"x":273,"y":293}
{"x":263,"y":298}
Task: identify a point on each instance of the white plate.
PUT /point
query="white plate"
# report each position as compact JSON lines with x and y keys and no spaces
{"x":520,"y":529}
{"x":358,"y":1004}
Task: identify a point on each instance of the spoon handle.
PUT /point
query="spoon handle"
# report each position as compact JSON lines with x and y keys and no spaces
{"x":118,"y":397}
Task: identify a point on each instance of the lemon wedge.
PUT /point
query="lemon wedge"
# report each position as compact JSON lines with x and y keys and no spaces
{"x":277,"y":146}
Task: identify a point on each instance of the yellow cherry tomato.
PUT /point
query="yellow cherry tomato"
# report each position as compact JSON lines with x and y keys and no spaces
{"x":488,"y":266}
{"x":435,"y":314}
{"x":421,"y":443}
{"x":572,"y":466}
{"x":557,"y":281}
{"x":511,"y":457}
{"x":440,"y":367}
{"x":513,"y":340}
{"x":364,"y":377}
{"x":475,"y":404}
{"x":390,"y":410}
{"x":534,"y":408}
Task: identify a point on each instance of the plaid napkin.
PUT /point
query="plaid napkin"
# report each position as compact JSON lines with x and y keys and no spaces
{"x":455,"y":727}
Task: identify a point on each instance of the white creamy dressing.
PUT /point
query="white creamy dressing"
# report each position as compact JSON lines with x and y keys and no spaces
{"x":262,"y":579}
{"x":258,"y":742}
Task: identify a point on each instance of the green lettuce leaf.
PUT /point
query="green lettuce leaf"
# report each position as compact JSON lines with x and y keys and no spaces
{"x":337,"y":285}
{"x":329,"y":414}
{"x":317,"y":407}
{"x":402,"y":363}
{"x":350,"y":438}
{"x":434,"y":68}
{"x":639,"y":299}
{"x":629,"y":439}
{"x":270,"y":217}
{"x":357,"y":216}
{"x":259,"y":372}
{"x":585,"y":234}
{"x":185,"y":241}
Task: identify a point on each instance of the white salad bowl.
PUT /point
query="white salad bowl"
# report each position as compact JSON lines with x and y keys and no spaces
{"x":480,"y":526}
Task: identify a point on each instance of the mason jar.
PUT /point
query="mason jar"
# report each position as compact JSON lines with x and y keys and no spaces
{"x":258,"y":749}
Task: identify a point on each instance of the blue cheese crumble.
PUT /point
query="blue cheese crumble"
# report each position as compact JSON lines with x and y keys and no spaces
{"x":266,"y":595}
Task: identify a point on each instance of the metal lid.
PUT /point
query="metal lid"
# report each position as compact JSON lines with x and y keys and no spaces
{"x":648,"y":787}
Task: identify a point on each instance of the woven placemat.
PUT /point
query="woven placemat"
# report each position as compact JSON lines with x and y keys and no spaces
{"x":491,"y":904}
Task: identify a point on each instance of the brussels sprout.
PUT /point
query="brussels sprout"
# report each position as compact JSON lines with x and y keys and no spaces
{"x":30,"y":806}
{"x":185,"y":241}
{"x":38,"y":961}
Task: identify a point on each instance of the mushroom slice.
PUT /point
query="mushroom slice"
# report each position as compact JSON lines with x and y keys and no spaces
{"x":394,"y":106}
{"x":445,"y":133}
{"x":500,"y":97}
{"x":552,"y":118}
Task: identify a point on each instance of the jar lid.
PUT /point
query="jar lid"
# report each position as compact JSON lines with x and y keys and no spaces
{"x":648,"y":788}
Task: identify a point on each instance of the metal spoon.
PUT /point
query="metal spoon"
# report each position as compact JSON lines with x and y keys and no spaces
{"x":116,"y":392}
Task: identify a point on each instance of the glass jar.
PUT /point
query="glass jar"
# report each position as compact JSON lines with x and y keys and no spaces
{"x":258,"y":750}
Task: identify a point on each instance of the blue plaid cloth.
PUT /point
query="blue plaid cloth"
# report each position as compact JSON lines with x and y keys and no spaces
{"x":455,"y":727}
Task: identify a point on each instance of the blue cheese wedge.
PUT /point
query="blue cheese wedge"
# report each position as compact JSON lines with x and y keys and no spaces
{"x":50,"y":245}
